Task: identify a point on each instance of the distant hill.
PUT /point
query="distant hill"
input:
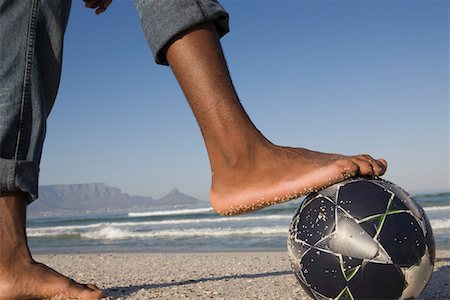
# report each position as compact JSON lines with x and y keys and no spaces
{"x":175,"y":198}
{"x":98,"y":198}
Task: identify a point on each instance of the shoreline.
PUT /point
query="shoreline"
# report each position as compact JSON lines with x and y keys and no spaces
{"x":150,"y":252}
{"x":203,"y":275}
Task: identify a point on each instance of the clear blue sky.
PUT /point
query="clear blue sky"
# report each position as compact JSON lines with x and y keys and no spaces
{"x":336,"y":76}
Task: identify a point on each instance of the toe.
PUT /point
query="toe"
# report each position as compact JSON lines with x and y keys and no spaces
{"x":378,"y":168}
{"x":91,"y":292}
{"x":384,"y":165}
{"x":365,"y":167}
{"x":346,"y":167}
{"x":378,"y":165}
{"x":84,"y":291}
{"x":92,"y":287}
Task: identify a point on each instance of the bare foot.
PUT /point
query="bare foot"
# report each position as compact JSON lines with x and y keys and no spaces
{"x":274,"y":174}
{"x":249,"y":172}
{"x":34,"y":280}
{"x":20,"y":276}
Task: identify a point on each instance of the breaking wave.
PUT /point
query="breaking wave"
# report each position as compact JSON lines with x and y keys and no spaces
{"x":440,"y":224}
{"x":74,"y":229}
{"x":436,"y":208}
{"x":112,"y":233}
{"x":170,"y":212}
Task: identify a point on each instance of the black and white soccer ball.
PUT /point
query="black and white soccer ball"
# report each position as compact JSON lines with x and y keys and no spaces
{"x":361,"y":239}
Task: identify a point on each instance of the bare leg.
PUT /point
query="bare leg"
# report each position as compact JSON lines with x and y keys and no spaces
{"x":20,"y":276}
{"x":248,"y":171}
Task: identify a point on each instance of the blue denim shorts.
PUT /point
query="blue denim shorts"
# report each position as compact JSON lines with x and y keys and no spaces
{"x":31,"y":43}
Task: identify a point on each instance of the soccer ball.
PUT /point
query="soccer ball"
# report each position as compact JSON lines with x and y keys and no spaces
{"x":361,"y":239}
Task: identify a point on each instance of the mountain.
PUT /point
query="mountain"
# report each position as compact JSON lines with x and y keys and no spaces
{"x":76,"y":199}
{"x":175,"y":198}
{"x":98,"y":198}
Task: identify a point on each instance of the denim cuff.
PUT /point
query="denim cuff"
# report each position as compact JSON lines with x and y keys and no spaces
{"x":163,"y":20}
{"x":19,"y":176}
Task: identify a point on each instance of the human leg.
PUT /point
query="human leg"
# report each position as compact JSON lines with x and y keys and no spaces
{"x":31,"y":35}
{"x":248,"y":171}
{"x":20,"y":276}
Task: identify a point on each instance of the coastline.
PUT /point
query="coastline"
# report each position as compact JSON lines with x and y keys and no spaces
{"x":204,"y":275}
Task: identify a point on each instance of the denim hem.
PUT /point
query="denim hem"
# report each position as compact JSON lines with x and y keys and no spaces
{"x":162,"y":21}
{"x":19,"y":176}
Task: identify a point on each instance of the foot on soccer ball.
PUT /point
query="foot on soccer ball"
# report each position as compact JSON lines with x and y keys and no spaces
{"x":272,"y":174}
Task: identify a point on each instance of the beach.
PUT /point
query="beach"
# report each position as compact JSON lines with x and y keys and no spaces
{"x":227,"y":275}
{"x":193,"y":253}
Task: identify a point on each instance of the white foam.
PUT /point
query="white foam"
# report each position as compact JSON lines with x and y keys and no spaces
{"x":76,"y":229}
{"x":47,"y":232}
{"x":206,"y":220}
{"x":440,"y":223}
{"x":436,"y":208}
{"x":169,"y":212}
{"x":112,"y":233}
{"x":60,"y":230}
{"x":113,"y":229}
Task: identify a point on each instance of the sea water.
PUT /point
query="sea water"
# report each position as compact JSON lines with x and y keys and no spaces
{"x":192,"y":230}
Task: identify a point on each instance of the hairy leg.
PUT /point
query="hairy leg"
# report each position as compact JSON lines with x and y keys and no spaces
{"x":20,"y":276}
{"x":248,"y":171}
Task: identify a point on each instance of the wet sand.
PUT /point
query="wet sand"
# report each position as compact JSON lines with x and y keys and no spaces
{"x":234,"y":275}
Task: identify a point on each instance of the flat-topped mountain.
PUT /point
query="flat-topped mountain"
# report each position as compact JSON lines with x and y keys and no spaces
{"x":98,"y":198}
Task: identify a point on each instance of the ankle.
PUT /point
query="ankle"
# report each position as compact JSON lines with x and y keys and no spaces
{"x":236,"y":153}
{"x":13,"y":241}
{"x":13,"y":256}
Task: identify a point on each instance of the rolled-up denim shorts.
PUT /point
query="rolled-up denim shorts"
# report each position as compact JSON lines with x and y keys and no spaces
{"x":31,"y":43}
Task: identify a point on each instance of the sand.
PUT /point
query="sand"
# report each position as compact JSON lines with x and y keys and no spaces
{"x":235,"y":275}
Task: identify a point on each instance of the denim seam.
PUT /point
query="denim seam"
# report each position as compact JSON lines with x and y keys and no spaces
{"x":26,"y":89}
{"x":200,"y":7}
{"x":11,"y":176}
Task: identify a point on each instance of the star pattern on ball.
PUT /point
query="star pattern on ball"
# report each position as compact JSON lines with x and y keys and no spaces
{"x":350,"y":236}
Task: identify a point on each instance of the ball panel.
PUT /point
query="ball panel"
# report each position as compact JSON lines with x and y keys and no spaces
{"x":403,"y":239}
{"x":307,"y":201}
{"x":350,"y":239}
{"x":319,"y":296}
{"x":322,"y":271}
{"x":377,"y":281}
{"x":371,"y":226}
{"x":417,"y":277}
{"x":331,"y":191}
{"x":404,"y":197}
{"x":349,"y":263}
{"x":304,"y":286}
{"x":429,"y":239}
{"x":345,"y":295}
{"x":315,"y":221}
{"x":296,"y":251}
{"x":398,"y":204}
{"x":363,"y":198}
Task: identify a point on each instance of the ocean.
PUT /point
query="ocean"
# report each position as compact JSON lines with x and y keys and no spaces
{"x":192,"y":230}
